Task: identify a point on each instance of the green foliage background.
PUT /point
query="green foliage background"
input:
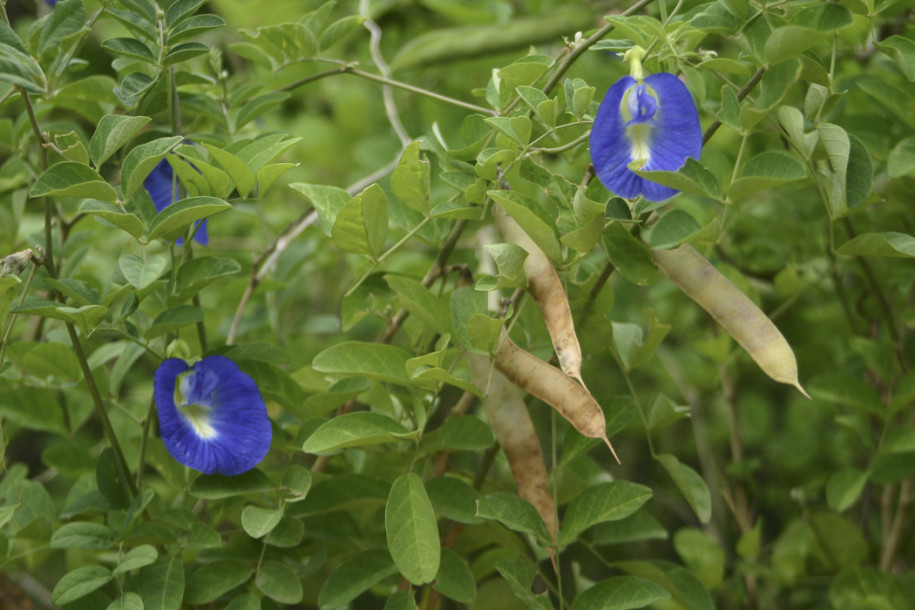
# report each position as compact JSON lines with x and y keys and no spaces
{"x":348,"y":157}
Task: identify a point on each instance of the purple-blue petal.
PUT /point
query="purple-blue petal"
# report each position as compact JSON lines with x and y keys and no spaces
{"x":610,"y":150}
{"x":675,"y":134}
{"x":237,"y":415}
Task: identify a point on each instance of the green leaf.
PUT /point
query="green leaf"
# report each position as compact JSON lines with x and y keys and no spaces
{"x":860,"y":175}
{"x":245,"y":601}
{"x":355,"y":576}
{"x":53,"y":360}
{"x":419,"y":301}
{"x":454,"y":579}
{"x":638,"y":526}
{"x":901,"y":161}
{"x":844,"y":487}
{"x":693,"y":178}
{"x":880,"y":245}
{"x":690,"y":484}
{"x":509,"y":259}
{"x":620,"y":593}
{"x":353,"y":430}
{"x":140,"y":161}
{"x":190,"y":50}
{"x":181,"y":10}
{"x":128,"y":601}
{"x":842,"y":542}
{"x":533,"y":219}
{"x":701,"y":555}
{"x":258,"y":522}
{"x":274,"y":383}
{"x":605,"y":502}
{"x":113,"y":131}
{"x":868,"y":588}
{"x":258,"y":106}
{"x":196,"y":273}
{"x":217,"y":486}
{"x":86,"y":317}
{"x":115,"y":215}
{"x":277,"y":581}
{"x":672,"y":229}
{"x":401,"y":600}
{"x":453,"y":498}
{"x":682,"y":585}
{"x":340,"y":29}
{"x":764,"y":171}
{"x":129,"y":47}
{"x":17,"y":67}
{"x":193,"y":26}
{"x":902,"y":50}
{"x":181,"y":214}
{"x":287,"y":534}
{"x":515,"y":513}
{"x":83,"y":535}
{"x":72,"y":179}
{"x":519,"y":574}
{"x":460,"y":433}
{"x":629,"y":255}
{"x":141,"y":273}
{"x":241,"y":174}
{"x":412,"y":533}
{"x":385,"y":363}
{"x":133,"y":86}
{"x":136,"y":558}
{"x":79,"y":583}
{"x":361,"y":226}
{"x":410,"y":180}
{"x":213,"y":580}
{"x":172,"y":319}
{"x":327,"y":201}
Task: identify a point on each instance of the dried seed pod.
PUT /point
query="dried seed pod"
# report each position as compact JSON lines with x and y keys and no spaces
{"x":553,"y":387}
{"x":545,"y":286}
{"x":15,"y":263}
{"x":513,"y":428}
{"x":739,"y":316}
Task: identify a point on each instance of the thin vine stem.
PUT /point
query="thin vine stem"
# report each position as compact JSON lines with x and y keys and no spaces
{"x":348,"y":68}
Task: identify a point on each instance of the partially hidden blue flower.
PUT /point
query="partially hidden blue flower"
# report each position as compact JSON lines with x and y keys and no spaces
{"x":211,"y":415}
{"x":51,"y":3}
{"x":163,"y":190}
{"x":651,"y":123}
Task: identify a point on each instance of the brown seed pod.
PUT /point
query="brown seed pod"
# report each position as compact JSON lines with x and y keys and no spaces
{"x":513,"y":428}
{"x":553,"y":387}
{"x":545,"y":286}
{"x":736,"y":313}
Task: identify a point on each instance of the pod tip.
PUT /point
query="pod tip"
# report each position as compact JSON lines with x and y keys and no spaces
{"x":612,"y":450}
{"x":797,"y":384}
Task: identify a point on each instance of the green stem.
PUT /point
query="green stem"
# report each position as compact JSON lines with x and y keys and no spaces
{"x":346,"y":68}
{"x":580,"y":48}
{"x":144,"y":438}
{"x":99,"y":405}
{"x":42,"y":146}
{"x":754,"y":80}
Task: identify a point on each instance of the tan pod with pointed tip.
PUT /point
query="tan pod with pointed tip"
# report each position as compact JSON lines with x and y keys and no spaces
{"x":553,"y":387}
{"x":545,"y":286}
{"x":512,"y":425}
{"x":734,"y":310}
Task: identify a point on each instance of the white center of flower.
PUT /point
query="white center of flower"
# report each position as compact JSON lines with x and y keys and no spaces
{"x":639,"y":136}
{"x":197,"y":415}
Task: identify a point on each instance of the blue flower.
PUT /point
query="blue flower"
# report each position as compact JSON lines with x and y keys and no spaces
{"x":652,"y":123}
{"x":163,"y":189}
{"x":211,"y":415}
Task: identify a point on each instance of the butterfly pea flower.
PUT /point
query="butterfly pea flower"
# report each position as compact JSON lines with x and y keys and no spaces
{"x":647,"y":124}
{"x":211,"y":415}
{"x":163,"y":190}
